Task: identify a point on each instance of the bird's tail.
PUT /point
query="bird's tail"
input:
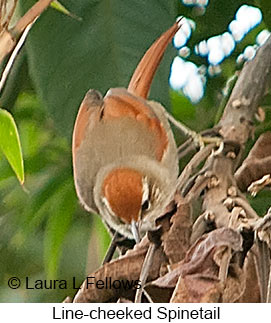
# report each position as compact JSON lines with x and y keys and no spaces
{"x":141,"y":80}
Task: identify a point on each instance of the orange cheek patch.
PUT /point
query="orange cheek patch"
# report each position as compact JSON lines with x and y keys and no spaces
{"x":123,"y":188}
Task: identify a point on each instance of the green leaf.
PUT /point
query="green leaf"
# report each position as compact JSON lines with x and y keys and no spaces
{"x":67,"y":57}
{"x":260,"y":203}
{"x":182,"y":108}
{"x":103,"y":237}
{"x":42,"y":198}
{"x":61,"y":210}
{"x":10,"y":144}
{"x":58,"y":6}
{"x":265,"y":7}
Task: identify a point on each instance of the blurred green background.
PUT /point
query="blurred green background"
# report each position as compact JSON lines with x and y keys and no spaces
{"x":44,"y":232}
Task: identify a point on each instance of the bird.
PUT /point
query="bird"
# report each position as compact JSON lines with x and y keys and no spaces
{"x":125,"y":161}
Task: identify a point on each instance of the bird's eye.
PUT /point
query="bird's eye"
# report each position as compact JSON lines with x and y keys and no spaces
{"x":145,"y":206}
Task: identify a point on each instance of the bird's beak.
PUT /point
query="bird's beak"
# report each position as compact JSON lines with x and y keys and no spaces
{"x":135,"y":231}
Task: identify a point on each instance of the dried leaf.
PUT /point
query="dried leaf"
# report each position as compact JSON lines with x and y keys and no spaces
{"x":263,"y":263}
{"x":208,"y":288}
{"x":159,"y":294}
{"x":123,"y":300}
{"x":195,"y":278}
{"x":257,"y":164}
{"x":161,"y":289}
{"x":251,"y":292}
{"x":197,"y":289}
{"x":176,"y":240}
{"x":68,"y":299}
{"x":125,"y":270}
{"x":235,"y":284}
{"x":200,"y":256}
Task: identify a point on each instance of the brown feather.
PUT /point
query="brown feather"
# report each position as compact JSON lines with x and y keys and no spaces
{"x":141,"y":80}
{"x":119,"y":103}
{"x":88,"y":112}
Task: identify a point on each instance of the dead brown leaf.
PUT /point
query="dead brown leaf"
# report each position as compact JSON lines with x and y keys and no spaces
{"x":195,"y":289}
{"x":251,"y":292}
{"x":176,"y":240}
{"x":196,"y":277}
{"x":126,"y":270}
{"x":257,"y":164}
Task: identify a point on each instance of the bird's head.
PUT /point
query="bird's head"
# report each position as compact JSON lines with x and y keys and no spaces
{"x":127,"y":197}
